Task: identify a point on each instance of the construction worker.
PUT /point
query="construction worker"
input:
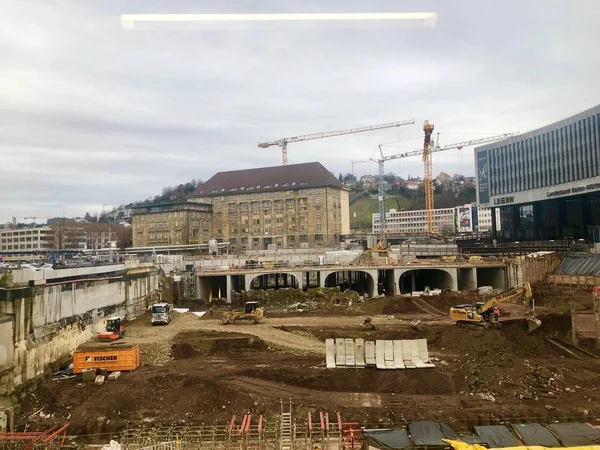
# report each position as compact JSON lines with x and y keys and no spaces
{"x":496,"y":314}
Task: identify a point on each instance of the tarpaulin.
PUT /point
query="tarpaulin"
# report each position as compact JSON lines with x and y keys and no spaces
{"x":535,"y":434}
{"x":496,"y":436}
{"x":575,"y":433}
{"x":388,"y":439}
{"x":430,"y":433}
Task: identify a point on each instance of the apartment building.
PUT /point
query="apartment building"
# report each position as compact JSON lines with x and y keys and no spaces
{"x":293,"y":206}
{"x":175,"y":223}
{"x":75,"y":234}
{"x":407,"y":222}
{"x":26,"y":240}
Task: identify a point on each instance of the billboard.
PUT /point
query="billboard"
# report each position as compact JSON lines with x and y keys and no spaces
{"x":464,"y":219}
{"x":475,"y":218}
{"x":483,"y":177}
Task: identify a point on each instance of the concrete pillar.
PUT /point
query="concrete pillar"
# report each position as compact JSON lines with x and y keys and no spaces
{"x":229,"y":288}
{"x":248,"y":281}
{"x":467,"y":278}
{"x":413,"y":281}
{"x":454,"y":275}
{"x":299,"y":276}
{"x":494,"y":224}
{"x":204,"y":288}
{"x":322,"y":275}
{"x":371,"y":283}
{"x":397,"y":274}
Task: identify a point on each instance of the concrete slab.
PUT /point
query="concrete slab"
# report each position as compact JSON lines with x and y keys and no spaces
{"x":88,"y":375}
{"x":349,"y":348}
{"x":330,"y":353}
{"x":380,"y":354}
{"x":114,"y":375}
{"x":388,"y":354}
{"x":416,"y":359}
{"x":407,"y":355}
{"x":370,"y":353}
{"x":359,"y":352}
{"x":340,"y":353}
{"x":99,"y":381}
{"x":424,"y":353}
{"x":399,"y":364}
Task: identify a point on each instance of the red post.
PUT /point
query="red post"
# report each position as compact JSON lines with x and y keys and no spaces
{"x":322,"y":420}
{"x":309,"y":421}
{"x":231,"y":424}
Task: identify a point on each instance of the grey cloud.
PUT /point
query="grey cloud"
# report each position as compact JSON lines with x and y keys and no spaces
{"x":93,"y":114}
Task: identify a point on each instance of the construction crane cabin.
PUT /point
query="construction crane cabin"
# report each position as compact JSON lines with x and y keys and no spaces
{"x":283,"y":142}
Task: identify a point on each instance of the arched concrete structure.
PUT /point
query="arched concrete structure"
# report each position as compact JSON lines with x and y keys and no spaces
{"x":249,"y":278}
{"x":441,"y":278}
{"x":371,"y":288}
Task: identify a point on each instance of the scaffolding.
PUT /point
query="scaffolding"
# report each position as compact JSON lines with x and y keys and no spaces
{"x":321,"y":431}
{"x":50,"y":439}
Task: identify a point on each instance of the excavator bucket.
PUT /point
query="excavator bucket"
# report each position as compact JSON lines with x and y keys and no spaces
{"x":533,"y":323}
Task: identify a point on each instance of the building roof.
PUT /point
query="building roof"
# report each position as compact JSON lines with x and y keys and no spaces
{"x":169,"y":206}
{"x":264,"y":179}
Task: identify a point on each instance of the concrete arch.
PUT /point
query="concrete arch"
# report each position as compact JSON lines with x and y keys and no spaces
{"x":417,"y":279}
{"x":370,"y":287}
{"x":249,"y":278}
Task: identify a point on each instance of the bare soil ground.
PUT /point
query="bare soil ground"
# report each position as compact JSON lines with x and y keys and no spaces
{"x":197,"y":371}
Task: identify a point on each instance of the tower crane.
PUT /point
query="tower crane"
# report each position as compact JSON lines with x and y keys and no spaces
{"x":429,"y":147}
{"x":283,"y":142}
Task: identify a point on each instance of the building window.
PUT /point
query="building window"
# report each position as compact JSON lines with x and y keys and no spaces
{"x":318,"y":237}
{"x":303,"y":238}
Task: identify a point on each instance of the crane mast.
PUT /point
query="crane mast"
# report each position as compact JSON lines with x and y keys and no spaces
{"x":283,"y":142}
{"x":428,"y":178}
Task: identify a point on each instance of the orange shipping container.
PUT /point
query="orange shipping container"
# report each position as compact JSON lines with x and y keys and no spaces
{"x":110,"y":358}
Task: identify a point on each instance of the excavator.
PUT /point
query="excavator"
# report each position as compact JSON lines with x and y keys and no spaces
{"x":114,"y":330}
{"x":481,"y":314}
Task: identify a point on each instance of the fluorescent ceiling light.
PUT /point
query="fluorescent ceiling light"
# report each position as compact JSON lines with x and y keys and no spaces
{"x":128,"y":20}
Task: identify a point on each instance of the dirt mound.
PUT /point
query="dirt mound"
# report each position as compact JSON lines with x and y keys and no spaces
{"x":194,"y":343}
{"x":400,"y":305}
{"x":183,"y":351}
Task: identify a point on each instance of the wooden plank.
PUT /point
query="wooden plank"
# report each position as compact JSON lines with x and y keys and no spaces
{"x":359,"y":352}
{"x":330,"y":353}
{"x":349,"y":347}
{"x":398,"y":355}
{"x":340,"y":353}
{"x":379,"y":354}
{"x":370,"y":353}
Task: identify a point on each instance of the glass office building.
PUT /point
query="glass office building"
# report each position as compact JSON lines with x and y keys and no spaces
{"x":546,"y":182}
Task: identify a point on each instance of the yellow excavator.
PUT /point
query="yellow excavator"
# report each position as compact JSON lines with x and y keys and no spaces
{"x":481,"y":314}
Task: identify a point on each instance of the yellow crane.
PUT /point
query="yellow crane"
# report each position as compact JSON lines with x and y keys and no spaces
{"x":428,"y":148}
{"x":283,"y":142}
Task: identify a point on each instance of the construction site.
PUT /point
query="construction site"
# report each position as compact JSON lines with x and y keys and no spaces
{"x":207,"y":380}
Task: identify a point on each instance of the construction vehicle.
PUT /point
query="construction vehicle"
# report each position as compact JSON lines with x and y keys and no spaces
{"x":114,"y":330}
{"x":252,"y":312}
{"x":481,"y":314}
{"x":283,"y":142}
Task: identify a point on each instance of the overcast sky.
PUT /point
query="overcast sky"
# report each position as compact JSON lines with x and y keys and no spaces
{"x":93,"y":114}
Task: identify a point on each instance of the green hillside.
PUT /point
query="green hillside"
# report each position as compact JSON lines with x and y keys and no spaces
{"x":361,"y":210}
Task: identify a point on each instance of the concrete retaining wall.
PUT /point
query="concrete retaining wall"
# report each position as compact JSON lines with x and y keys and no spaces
{"x":48,"y":322}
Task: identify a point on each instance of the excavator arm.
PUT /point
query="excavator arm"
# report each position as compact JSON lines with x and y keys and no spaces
{"x":521,"y":290}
